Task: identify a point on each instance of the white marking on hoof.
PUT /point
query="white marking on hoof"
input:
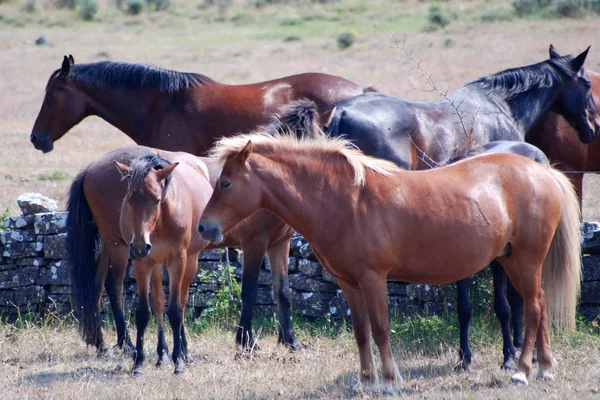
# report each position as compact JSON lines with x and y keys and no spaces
{"x":545,"y":374}
{"x":387,"y":389}
{"x":519,"y":378}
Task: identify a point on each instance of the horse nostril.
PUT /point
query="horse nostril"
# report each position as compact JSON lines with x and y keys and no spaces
{"x":33,"y":138}
{"x":200,"y":228}
{"x":148,"y":247}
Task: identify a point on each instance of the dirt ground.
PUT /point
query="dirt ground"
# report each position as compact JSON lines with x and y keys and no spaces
{"x":53,"y":363}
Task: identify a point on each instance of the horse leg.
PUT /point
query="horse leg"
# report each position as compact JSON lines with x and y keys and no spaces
{"x":374,"y":291}
{"x":142,"y":270}
{"x":367,"y":377}
{"x":516,"y":309}
{"x":158,"y":306}
{"x":254,"y":253}
{"x":189,"y":275}
{"x":544,"y":355}
{"x":463,"y":305}
{"x":119,"y":257}
{"x":175,"y":310}
{"x":101,"y":269}
{"x":503,"y":314}
{"x":278,"y":257}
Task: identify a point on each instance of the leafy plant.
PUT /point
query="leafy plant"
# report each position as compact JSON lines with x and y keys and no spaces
{"x":345,"y":40}
{"x":134,"y":7}
{"x":223,"y":307}
{"x":59,"y":175}
{"x":87,"y":11}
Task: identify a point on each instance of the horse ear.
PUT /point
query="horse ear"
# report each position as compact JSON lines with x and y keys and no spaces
{"x":65,"y":68}
{"x":326,"y":117}
{"x":243,"y":154}
{"x":123,"y":169}
{"x":71,"y":59}
{"x":553,"y":52}
{"x":580,"y":59}
{"x":164,"y":173}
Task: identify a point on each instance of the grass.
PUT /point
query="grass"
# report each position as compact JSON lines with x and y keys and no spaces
{"x":56,"y":175}
{"x":46,"y":358}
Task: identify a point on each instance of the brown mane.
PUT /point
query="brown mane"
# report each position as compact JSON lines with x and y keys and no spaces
{"x":284,"y":143}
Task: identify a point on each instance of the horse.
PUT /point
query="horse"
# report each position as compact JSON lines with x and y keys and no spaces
{"x":167,"y":109}
{"x":159,"y":215}
{"x":386,"y":220}
{"x":177,"y":111}
{"x":500,"y":107}
{"x":555,"y":137}
{"x":94,"y":207}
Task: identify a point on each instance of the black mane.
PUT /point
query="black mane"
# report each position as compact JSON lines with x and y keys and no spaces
{"x":141,"y":166}
{"x":122,"y":74}
{"x":511,"y":82}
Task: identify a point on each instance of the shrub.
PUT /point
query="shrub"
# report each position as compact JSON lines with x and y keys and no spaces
{"x":29,"y":6}
{"x":70,"y":4}
{"x":437,"y":17}
{"x":556,"y":8}
{"x":526,"y":7}
{"x":158,"y":5}
{"x":88,"y":9}
{"x":135,"y":7}
{"x":497,"y":16}
{"x":345,"y":40}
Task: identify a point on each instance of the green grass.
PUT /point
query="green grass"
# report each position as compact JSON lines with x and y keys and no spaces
{"x":56,"y":175}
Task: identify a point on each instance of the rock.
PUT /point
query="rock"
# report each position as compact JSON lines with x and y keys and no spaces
{"x":103,"y":55}
{"x":311,"y":304}
{"x":56,"y":273}
{"x":29,"y":296}
{"x":21,"y":250}
{"x":211,"y":255}
{"x":338,"y":307}
{"x":55,"y":246}
{"x":19,"y":222}
{"x":397,"y":288}
{"x":50,"y":223}
{"x":302,"y":282}
{"x":428,"y":293}
{"x":327,"y":277}
{"x":296,"y":242}
{"x":310,"y":268}
{"x":42,"y":40}
{"x":590,"y":237}
{"x":292,"y":264}
{"x":307,"y":252}
{"x":590,"y":293}
{"x":17,"y":236}
{"x":33,"y":203}
{"x":264,"y":296}
{"x":34,"y":261}
{"x":19,"y":277}
{"x":591,"y":268}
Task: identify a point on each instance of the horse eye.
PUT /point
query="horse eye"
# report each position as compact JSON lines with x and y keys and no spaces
{"x":225,"y":185}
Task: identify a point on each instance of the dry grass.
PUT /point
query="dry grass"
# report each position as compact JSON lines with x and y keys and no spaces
{"x":52,"y":362}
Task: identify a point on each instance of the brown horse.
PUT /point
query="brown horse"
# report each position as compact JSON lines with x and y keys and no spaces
{"x":556,"y":138}
{"x":159,"y":216}
{"x":359,"y":212}
{"x":171,"y":110}
{"x":95,"y":201}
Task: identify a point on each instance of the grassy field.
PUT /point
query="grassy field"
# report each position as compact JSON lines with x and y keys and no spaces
{"x":240,"y":44}
{"x":50,"y":361}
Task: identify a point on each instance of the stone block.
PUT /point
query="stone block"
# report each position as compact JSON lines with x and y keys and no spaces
{"x":55,"y":273}
{"x":33,"y":203}
{"x":23,"y":250}
{"x":302,"y":282}
{"x":51,"y":223}
{"x":310,"y":268}
{"x":19,"y":222}
{"x":14,"y":278}
{"x":55,"y":247}
{"x":16,"y":236}
{"x":591,"y":268}
{"x":311,"y":304}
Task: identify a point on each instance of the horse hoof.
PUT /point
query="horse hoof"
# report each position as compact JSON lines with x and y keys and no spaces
{"x":295,"y":346}
{"x":137,"y":371}
{"x":544,"y":374}
{"x":509,"y":365}
{"x":104,"y":352}
{"x":163,"y":360}
{"x":519,"y":378}
{"x":179,"y":367}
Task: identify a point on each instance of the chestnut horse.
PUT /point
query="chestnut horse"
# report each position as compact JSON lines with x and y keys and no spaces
{"x":159,"y":218}
{"x":499,"y":107}
{"x":386,"y":221}
{"x":171,"y":110}
{"x":94,"y":207}
{"x":177,"y":111}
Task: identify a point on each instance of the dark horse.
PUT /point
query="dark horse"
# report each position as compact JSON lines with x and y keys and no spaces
{"x":174,"y":111}
{"x":500,"y":107}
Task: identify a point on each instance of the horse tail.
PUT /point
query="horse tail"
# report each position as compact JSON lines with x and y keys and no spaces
{"x":299,"y":118}
{"x":562,"y":268}
{"x":82,"y":234}
{"x":370,"y":89}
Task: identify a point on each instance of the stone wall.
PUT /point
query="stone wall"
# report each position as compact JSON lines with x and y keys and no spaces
{"x":34,"y":277}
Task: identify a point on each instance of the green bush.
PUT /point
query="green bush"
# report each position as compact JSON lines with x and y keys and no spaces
{"x":437,"y":17}
{"x":556,"y":8}
{"x":158,"y":5}
{"x":345,"y":40}
{"x":135,"y":7}
{"x":70,"y":4}
{"x":29,"y":6}
{"x":497,"y":16}
{"x":88,"y":9}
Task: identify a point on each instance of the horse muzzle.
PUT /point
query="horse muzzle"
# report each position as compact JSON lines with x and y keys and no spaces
{"x":210,"y":231}
{"x":138,"y":253}
{"x":41,"y":142}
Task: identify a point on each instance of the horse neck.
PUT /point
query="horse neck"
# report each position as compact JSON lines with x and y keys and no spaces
{"x":529,"y":106}
{"x":125,"y":109}
{"x":294,"y":190}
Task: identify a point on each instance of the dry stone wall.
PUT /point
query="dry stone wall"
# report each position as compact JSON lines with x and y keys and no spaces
{"x":34,"y":277}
